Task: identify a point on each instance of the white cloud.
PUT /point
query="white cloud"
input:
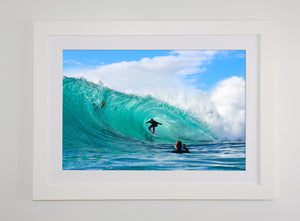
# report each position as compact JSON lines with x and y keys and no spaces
{"x":149,"y":75}
{"x":74,"y":62}
{"x":229,"y":101}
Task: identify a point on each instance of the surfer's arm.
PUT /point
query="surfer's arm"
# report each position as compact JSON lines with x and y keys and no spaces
{"x":186,"y":149}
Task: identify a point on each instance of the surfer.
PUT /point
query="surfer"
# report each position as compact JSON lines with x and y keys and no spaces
{"x":153,"y":125}
{"x":179,"y":148}
{"x":96,"y":106}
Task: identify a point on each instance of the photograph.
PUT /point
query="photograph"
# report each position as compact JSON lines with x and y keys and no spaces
{"x":154,"y":110}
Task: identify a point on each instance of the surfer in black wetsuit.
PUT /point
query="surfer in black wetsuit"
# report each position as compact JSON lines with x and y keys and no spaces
{"x":153,"y":125}
{"x":179,"y":148}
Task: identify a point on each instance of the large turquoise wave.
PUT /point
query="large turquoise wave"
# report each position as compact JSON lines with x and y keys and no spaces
{"x":122,"y":119}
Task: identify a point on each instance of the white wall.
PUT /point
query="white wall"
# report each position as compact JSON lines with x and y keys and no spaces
{"x":16,"y":22}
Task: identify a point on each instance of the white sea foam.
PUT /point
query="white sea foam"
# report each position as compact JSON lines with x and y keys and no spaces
{"x":228,"y":99}
{"x":223,"y":108}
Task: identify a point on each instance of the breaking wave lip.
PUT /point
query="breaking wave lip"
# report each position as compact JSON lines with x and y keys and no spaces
{"x":123,"y":118}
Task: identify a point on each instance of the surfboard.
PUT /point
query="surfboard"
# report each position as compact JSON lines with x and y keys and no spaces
{"x":153,"y":134}
{"x":96,"y":107}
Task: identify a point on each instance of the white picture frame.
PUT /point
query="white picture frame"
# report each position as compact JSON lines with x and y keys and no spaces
{"x":51,"y":183}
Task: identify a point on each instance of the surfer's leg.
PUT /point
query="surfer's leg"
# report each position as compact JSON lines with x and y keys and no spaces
{"x":153,"y":129}
{"x":151,"y":126}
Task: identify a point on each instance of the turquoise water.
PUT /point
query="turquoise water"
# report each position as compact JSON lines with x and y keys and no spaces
{"x":116,"y":137}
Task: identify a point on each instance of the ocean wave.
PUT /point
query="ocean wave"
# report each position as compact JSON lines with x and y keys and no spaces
{"x":123,"y":119}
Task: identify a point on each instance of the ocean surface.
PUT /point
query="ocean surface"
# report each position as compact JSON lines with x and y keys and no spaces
{"x":116,"y":137}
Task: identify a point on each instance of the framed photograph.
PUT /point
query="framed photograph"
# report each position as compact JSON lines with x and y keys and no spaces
{"x":153,"y":110}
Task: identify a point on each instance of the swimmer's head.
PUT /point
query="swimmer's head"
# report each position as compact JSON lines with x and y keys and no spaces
{"x":178,"y":145}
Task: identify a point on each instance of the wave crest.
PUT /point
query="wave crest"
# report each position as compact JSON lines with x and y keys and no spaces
{"x":123,"y":117}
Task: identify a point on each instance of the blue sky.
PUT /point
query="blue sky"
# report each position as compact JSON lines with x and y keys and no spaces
{"x":203,"y":75}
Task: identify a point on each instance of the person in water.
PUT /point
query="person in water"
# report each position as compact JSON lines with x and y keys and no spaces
{"x":153,"y":125}
{"x":103,"y":103}
{"x":180,"y":148}
{"x":96,"y":106}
